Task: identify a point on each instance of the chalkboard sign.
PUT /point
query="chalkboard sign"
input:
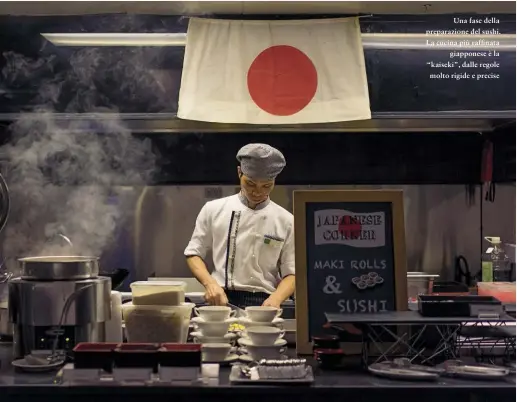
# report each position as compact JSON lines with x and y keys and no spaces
{"x":350,"y":256}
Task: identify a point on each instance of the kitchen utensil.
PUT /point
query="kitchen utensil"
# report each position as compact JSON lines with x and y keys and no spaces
{"x":262,"y":313}
{"x":238,"y":311}
{"x":264,"y":336}
{"x":214,"y":313}
{"x":388,"y":370}
{"x":59,"y":267}
{"x":457,"y":368}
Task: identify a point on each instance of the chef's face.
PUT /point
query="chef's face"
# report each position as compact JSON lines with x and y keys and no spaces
{"x":256,"y":191}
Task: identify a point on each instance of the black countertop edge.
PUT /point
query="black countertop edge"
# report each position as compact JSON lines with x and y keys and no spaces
{"x":501,"y":389}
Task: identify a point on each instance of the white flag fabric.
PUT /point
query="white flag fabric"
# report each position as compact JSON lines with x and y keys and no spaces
{"x":362,"y":230}
{"x":274,"y":72}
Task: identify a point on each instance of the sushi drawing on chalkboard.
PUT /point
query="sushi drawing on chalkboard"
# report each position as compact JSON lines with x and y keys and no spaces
{"x":369,"y":280}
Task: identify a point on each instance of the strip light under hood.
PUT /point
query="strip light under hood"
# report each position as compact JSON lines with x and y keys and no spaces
{"x":116,"y":39}
{"x":370,"y":41}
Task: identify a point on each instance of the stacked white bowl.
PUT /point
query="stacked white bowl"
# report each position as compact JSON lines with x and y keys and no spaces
{"x":263,"y":337}
{"x":262,"y":316}
{"x":212,"y":324}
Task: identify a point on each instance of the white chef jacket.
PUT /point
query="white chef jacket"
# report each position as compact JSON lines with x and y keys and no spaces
{"x":252,"y":249}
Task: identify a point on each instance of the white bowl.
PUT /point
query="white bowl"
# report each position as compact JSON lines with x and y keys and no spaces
{"x":213,"y":339}
{"x":262,"y":313}
{"x":213,"y":328}
{"x":264,"y":336}
{"x":277,"y":322}
{"x":263,"y":352}
{"x":215,"y":352}
{"x":214,"y":313}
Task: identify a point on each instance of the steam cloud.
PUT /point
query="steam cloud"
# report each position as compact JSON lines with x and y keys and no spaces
{"x":62,"y":175}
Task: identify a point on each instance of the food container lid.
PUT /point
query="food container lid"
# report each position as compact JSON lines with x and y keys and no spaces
{"x":158,"y":308}
{"x":158,"y":283}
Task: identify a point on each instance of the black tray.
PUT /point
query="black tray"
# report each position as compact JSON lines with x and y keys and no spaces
{"x":453,"y":306}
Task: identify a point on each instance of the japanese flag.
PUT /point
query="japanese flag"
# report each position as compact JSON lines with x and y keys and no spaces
{"x":274,"y":72}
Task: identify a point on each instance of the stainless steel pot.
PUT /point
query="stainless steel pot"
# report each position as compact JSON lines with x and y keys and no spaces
{"x":59,"y":268}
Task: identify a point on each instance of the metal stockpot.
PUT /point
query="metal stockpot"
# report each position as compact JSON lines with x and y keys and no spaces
{"x":59,"y":268}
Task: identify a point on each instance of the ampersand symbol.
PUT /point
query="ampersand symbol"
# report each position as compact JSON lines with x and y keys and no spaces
{"x":331,"y":287}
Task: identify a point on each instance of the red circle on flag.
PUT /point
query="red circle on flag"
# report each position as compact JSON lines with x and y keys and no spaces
{"x":282,"y":80}
{"x":348,"y":228}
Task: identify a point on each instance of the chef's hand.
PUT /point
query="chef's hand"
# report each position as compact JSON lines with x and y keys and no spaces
{"x":214,"y":295}
{"x":272,"y":301}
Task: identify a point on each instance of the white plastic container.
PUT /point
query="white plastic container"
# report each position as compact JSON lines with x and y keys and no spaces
{"x":113,"y":327}
{"x":158,"y":293}
{"x":157,"y":324}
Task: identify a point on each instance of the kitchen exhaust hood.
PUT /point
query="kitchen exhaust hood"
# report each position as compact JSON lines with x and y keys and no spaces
{"x":163,"y":123}
{"x":404,"y":96}
{"x":408,"y":48}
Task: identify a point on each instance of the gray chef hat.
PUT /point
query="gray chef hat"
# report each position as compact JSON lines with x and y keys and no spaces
{"x":260,"y":161}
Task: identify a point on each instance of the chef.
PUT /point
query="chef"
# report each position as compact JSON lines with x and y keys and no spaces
{"x":251,"y":238}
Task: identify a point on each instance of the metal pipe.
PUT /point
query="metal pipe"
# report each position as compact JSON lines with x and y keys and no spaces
{"x":413,"y":41}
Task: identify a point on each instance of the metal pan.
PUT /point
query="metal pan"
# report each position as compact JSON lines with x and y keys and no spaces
{"x":475,"y":372}
{"x":401,"y":373}
{"x":55,"y":268}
